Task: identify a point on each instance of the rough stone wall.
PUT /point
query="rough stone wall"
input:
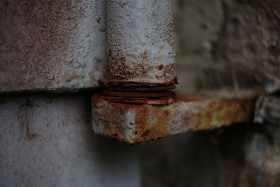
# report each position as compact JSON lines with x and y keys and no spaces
{"x":227,"y":43}
{"x":223,"y":43}
{"x":251,"y":155}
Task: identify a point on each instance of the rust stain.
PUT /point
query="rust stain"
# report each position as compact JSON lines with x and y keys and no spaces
{"x":118,"y":68}
{"x":29,"y":135}
{"x":119,"y":85}
{"x":113,"y":118}
{"x":152,"y":121}
{"x":145,"y":56}
{"x":221,"y":112}
{"x":25,"y":116}
{"x":91,"y":75}
{"x":138,"y":94}
{"x":122,"y":71}
{"x":156,"y":98}
{"x":97,"y":68}
{"x":74,"y":77}
{"x":120,"y":74}
{"x":151,"y":129}
{"x":37,"y":40}
{"x":160,"y":67}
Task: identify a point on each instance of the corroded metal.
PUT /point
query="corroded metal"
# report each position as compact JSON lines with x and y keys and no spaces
{"x":140,"y":44}
{"x":52,"y":45}
{"x":156,"y":117}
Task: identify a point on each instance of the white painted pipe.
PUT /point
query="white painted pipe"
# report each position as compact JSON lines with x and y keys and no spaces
{"x":140,"y":42}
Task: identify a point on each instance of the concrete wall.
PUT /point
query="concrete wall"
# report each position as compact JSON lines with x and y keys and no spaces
{"x":47,"y":140}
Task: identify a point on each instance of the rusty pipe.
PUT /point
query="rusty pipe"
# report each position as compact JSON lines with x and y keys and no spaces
{"x":140,"y":44}
{"x":140,"y":53}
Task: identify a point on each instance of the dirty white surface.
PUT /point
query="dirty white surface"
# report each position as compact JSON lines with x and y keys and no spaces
{"x":48,"y":141}
{"x":52,"y":45}
{"x":140,"y":43}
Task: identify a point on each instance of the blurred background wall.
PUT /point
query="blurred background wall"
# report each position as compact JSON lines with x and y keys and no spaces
{"x":222,"y":44}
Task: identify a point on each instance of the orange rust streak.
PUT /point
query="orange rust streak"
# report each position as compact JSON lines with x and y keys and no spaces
{"x":153,"y":121}
{"x":149,"y":129}
{"x":221,"y":112}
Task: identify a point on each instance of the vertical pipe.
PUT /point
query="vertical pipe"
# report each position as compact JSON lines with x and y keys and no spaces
{"x":140,"y":44}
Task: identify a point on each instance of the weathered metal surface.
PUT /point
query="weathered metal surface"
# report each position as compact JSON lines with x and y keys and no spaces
{"x":52,"y":45}
{"x":140,"y":43}
{"x":48,"y":141}
{"x":129,"y":120}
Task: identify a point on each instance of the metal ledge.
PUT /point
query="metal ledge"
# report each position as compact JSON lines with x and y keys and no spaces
{"x":134,"y":122}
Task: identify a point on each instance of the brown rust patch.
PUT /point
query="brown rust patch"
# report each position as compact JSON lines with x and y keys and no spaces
{"x":139,"y":101}
{"x":122,"y":73}
{"x":138,"y":94}
{"x":137,"y":86}
{"x":151,"y":123}
{"x":111,"y":117}
{"x":29,"y":135}
{"x":121,"y":67}
{"x":233,"y":110}
{"x":145,"y":56}
{"x":37,"y":36}
{"x":156,"y":98}
{"x":213,"y":114}
{"x":91,"y":75}
{"x":160,"y":67}
{"x":74,"y":77}
{"x":118,"y":68}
